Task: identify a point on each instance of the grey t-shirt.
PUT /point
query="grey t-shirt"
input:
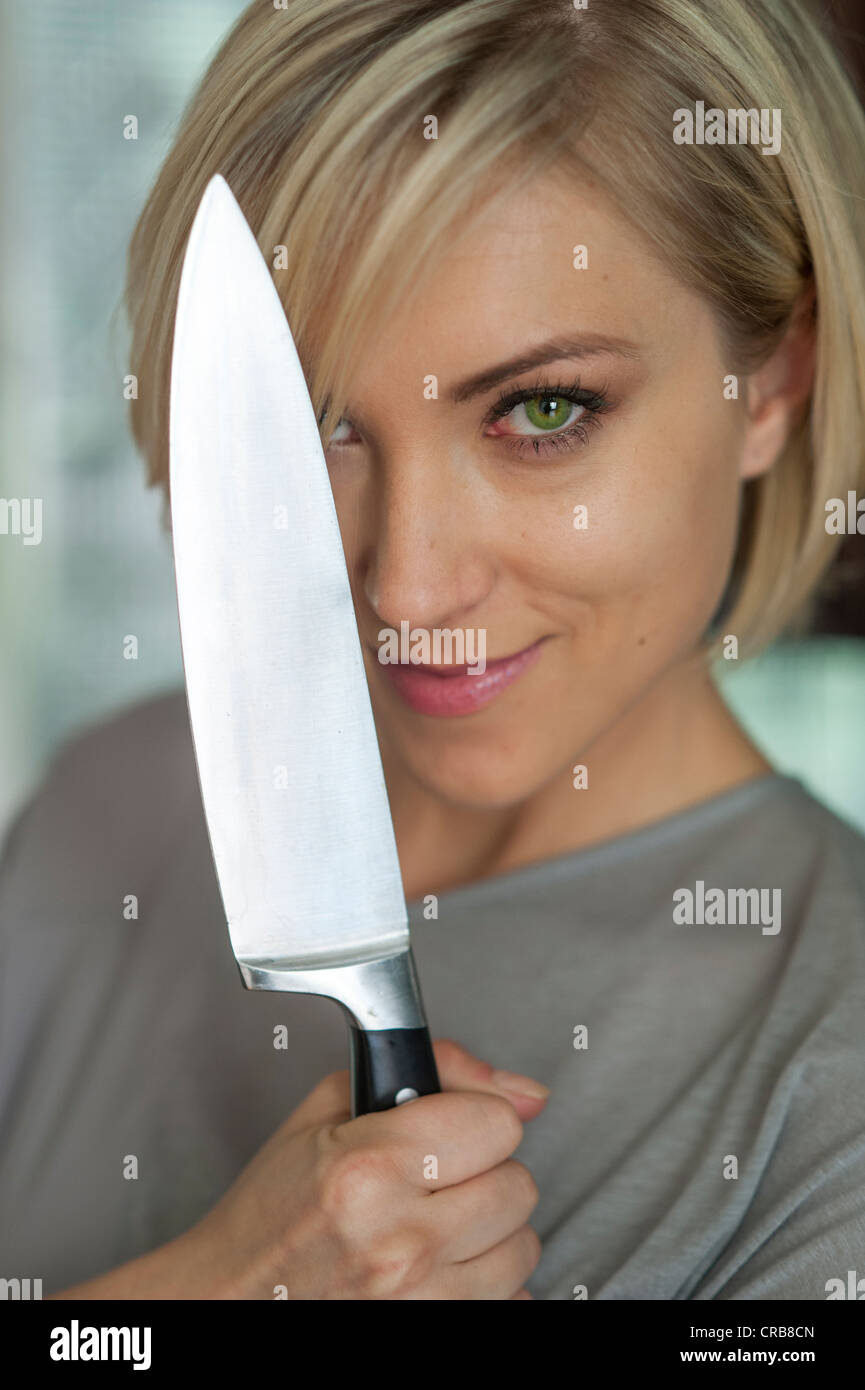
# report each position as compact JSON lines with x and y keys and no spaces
{"x":705,"y":1137}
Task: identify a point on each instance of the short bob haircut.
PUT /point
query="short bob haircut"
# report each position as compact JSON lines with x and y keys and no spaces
{"x":317,"y":112}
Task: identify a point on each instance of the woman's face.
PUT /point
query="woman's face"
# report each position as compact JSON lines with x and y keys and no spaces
{"x":457,"y":510}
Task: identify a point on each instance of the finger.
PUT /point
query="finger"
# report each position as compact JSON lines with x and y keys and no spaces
{"x":477,"y":1215}
{"x":460,"y":1070}
{"x":437,"y":1141}
{"x":497,"y":1274}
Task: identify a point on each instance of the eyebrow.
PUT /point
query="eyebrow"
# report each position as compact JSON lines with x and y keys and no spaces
{"x":554,"y":350}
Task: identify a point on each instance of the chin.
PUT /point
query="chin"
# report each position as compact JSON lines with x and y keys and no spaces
{"x":489,"y":778}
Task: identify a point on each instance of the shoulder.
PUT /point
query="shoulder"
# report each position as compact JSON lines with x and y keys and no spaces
{"x":110,"y":799}
{"x":140,"y":755}
{"x":817,"y":841}
{"x":817,"y":858}
{"x":796,"y":839}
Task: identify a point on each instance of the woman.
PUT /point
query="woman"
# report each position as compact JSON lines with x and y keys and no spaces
{"x":588,"y":343}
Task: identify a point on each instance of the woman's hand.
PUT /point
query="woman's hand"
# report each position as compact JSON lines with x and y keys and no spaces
{"x":419,"y":1202}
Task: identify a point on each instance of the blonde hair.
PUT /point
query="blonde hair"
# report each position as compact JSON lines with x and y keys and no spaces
{"x":315,"y":115}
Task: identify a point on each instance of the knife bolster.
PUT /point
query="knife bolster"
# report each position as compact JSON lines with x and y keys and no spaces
{"x":376,"y":994}
{"x":392,"y":1058}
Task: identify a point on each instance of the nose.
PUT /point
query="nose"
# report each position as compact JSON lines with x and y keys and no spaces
{"x":428,"y":561}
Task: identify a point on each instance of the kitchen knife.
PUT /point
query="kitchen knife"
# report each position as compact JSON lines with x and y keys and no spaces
{"x":287,"y":755}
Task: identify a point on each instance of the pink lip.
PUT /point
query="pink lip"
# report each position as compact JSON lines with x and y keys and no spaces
{"x":433,"y":690}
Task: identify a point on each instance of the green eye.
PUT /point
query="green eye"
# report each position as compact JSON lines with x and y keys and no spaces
{"x":548,"y":412}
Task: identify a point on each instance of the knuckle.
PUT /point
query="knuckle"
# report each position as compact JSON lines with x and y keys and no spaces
{"x":528,"y":1187}
{"x":397,"y":1265}
{"x":506,"y":1120}
{"x":351,"y":1181}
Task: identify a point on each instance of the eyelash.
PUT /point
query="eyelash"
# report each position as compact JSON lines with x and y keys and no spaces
{"x":594,"y":403}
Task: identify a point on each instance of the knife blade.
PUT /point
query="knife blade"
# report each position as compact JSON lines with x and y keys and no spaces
{"x":288,"y":761}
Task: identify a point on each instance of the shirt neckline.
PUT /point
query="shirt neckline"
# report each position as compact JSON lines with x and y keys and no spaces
{"x":697,"y":816}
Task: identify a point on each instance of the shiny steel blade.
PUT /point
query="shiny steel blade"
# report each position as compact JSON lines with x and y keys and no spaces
{"x":287,"y":755}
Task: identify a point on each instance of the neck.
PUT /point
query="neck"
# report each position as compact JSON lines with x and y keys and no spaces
{"x":676,"y":746}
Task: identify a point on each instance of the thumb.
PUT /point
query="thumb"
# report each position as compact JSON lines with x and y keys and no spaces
{"x":460,"y":1070}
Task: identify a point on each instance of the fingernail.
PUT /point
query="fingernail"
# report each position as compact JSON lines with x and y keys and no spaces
{"x":520,"y":1085}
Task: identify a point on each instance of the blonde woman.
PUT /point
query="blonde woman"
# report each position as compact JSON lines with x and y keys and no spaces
{"x":581,"y":301}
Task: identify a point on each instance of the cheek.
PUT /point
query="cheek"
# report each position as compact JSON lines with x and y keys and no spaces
{"x":661,"y":516}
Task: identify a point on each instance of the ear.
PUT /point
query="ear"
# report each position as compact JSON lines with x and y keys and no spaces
{"x":778,"y":391}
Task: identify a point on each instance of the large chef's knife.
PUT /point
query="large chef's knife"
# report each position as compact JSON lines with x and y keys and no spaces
{"x":288,"y":760}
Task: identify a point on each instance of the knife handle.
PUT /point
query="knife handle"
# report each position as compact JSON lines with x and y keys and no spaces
{"x":390,"y":1066}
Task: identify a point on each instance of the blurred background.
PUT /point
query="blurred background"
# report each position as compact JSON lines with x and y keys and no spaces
{"x":71,"y":72}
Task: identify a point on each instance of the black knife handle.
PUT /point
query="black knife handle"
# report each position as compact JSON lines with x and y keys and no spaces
{"x":389,"y":1066}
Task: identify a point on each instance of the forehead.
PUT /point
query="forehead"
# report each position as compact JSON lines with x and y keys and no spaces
{"x":514,"y":275}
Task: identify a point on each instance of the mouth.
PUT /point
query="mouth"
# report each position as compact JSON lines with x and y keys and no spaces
{"x":449,"y":691}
